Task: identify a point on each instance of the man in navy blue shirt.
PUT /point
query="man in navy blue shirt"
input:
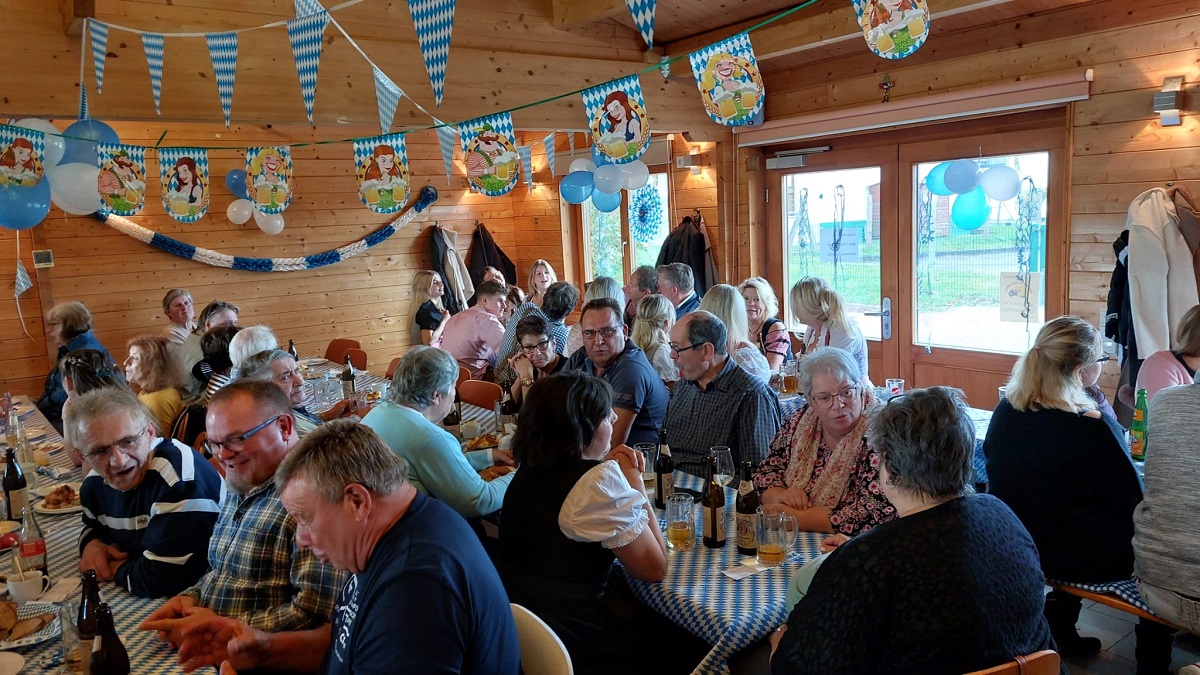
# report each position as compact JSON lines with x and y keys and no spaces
{"x":423,"y":598}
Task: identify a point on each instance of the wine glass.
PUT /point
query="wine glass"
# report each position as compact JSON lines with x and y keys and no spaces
{"x":725,"y":468}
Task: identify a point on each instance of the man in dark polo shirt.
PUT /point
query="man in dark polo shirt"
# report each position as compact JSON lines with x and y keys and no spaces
{"x":639,"y":395}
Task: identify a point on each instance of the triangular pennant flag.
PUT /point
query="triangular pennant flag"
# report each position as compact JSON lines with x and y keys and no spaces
{"x":307,"y":37}
{"x":526,"y":164}
{"x":387,"y":94}
{"x":643,"y":17}
{"x":23,"y":282}
{"x":434,"y":21}
{"x":490,"y":154}
{"x":446,"y":137}
{"x":153,"y":44}
{"x":548,"y":143}
{"x":223,"y":50}
{"x":307,"y":7}
{"x":99,"y":50}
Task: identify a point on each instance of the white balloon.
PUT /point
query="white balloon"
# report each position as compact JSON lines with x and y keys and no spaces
{"x":54,"y":144}
{"x":1001,"y":183}
{"x":636,"y":175}
{"x":271,"y":223}
{"x":609,"y":178}
{"x":582,"y":164}
{"x":961,"y":176}
{"x":239,"y":211}
{"x":73,"y":188}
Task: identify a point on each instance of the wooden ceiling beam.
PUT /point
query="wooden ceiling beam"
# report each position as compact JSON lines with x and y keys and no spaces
{"x":570,"y":14}
{"x":74,"y":12}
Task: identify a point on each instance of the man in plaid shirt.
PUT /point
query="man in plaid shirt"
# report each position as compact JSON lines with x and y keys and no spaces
{"x":259,"y":575}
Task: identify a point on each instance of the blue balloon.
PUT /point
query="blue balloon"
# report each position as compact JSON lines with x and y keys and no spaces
{"x":23,"y":207}
{"x":577,"y":187}
{"x":606,"y":203}
{"x":81,"y":139}
{"x":936,"y":180}
{"x":599,"y":157}
{"x":235,"y":180}
{"x":970,"y":210}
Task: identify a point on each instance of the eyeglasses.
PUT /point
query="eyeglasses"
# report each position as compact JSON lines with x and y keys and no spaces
{"x":236,"y":443}
{"x":542,"y":346}
{"x":826,"y":400}
{"x":1104,"y":359}
{"x":677,"y":350}
{"x":125,"y":445}
{"x":605,"y":333}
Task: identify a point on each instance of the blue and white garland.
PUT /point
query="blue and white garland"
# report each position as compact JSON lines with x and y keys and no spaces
{"x":645,"y":214}
{"x":209,"y":257}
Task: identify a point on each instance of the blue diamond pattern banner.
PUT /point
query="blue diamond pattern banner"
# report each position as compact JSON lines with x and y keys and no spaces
{"x":434,"y":21}
{"x":183,"y":173}
{"x":617,"y":117}
{"x":306,"y":35}
{"x":122,"y":179}
{"x":446,"y":137}
{"x":548,"y":144}
{"x":23,"y":282}
{"x":730,"y":83}
{"x":307,"y":7}
{"x":643,"y":18}
{"x":269,"y":178}
{"x":387,"y":95}
{"x":21,"y":155}
{"x":99,"y":50}
{"x":381,"y":166}
{"x":223,"y":50}
{"x":491,"y":154}
{"x":893,"y":30}
{"x":153,"y":44}
{"x":526,"y":155}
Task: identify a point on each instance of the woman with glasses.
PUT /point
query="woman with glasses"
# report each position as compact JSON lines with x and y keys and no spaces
{"x":536,"y":354}
{"x":820,"y":467}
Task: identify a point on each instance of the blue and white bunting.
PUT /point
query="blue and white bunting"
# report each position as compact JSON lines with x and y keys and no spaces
{"x":307,"y":7}
{"x":548,"y":144}
{"x":99,"y":50}
{"x":307,"y":37}
{"x":617,"y":118}
{"x":223,"y":50}
{"x":643,"y":18}
{"x":153,"y":44}
{"x":571,"y":142}
{"x":730,"y":84}
{"x":446,"y":137}
{"x":387,"y":95}
{"x":83,"y":104}
{"x":526,"y":164}
{"x":23,"y":282}
{"x":434,"y":21}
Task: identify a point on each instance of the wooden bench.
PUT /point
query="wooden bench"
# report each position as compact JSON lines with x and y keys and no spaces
{"x":1113,"y":601}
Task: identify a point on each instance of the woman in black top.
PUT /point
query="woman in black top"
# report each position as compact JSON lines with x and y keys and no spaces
{"x":425,"y":307}
{"x":768,"y":332}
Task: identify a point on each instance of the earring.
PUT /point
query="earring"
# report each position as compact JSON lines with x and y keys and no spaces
{"x":889,"y":482}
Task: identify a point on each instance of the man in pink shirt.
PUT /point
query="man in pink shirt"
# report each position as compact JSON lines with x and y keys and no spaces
{"x":473,"y":335}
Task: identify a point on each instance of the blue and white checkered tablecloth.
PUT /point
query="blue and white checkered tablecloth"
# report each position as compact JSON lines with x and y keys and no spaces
{"x":315,"y":367}
{"x":730,"y":614}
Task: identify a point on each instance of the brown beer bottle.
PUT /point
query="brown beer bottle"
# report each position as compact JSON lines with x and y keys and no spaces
{"x":713,"y":508}
{"x":348,"y":379}
{"x":108,"y":653}
{"x":16,"y":492}
{"x":89,"y":603}
{"x":746,"y":510}
{"x":664,"y":472}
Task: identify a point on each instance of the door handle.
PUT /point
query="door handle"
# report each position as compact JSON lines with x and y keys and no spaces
{"x":885,"y":311}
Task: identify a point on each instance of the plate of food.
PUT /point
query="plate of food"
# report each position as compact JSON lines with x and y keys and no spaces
{"x":493,"y":472}
{"x":28,"y":624}
{"x":59,"y":499}
{"x":481,"y":442}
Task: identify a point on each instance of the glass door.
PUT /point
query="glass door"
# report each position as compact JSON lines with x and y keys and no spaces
{"x":630,"y":236}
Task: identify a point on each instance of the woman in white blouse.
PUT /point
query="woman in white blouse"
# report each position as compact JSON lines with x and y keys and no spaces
{"x":819,"y":306}
{"x":727,"y":304}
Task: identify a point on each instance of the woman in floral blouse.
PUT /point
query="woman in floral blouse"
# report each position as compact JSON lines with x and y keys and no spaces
{"x":819,"y":466}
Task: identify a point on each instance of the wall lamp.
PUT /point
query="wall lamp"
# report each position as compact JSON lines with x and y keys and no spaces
{"x":1169,"y":101}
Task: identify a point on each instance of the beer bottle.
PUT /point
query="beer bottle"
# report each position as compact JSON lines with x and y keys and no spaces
{"x":89,"y":604}
{"x":453,"y":418}
{"x":746,"y":512}
{"x":348,"y":379}
{"x":292,"y":350}
{"x":16,"y":492}
{"x":33,"y":544}
{"x":1137,"y":429}
{"x":108,"y":653}
{"x":713,"y":508}
{"x":508,"y":407}
{"x":12,"y":422}
{"x":664,"y":472}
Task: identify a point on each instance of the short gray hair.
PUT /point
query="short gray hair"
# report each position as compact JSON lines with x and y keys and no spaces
{"x":340,"y":453}
{"x":605,"y":287}
{"x":677,"y":274}
{"x":258,"y":367}
{"x":173,"y":294}
{"x":250,"y":341}
{"x":707,"y":327}
{"x":102,"y":403}
{"x":421,"y":373}
{"x":646,"y":278}
{"x":827,"y":361}
{"x":926,"y":441}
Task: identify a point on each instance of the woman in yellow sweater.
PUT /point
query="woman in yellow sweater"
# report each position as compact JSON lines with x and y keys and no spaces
{"x":154,"y":374}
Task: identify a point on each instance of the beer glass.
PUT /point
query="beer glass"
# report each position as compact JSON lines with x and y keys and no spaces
{"x":777,"y":533}
{"x":791,"y":383}
{"x":681,"y":523}
{"x":650,"y":452}
{"x":894,"y":388}
{"x":725,"y":468}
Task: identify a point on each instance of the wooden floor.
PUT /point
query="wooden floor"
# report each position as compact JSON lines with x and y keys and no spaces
{"x":1115,"y":630}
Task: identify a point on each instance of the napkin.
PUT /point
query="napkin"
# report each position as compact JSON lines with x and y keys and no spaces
{"x":748,"y":567}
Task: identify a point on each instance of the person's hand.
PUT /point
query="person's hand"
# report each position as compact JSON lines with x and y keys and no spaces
{"x":221,"y":640}
{"x":102,"y":557}
{"x":340,"y":409}
{"x":794,"y":497}
{"x":522,"y":366}
{"x":776,"y":636}
{"x":632,"y":464}
{"x":831,"y":542}
{"x":227,"y":669}
{"x":502,"y":457}
{"x":171,"y":630}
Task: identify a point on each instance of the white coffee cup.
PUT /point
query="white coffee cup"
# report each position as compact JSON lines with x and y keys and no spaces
{"x":28,"y":586}
{"x":471,"y":429}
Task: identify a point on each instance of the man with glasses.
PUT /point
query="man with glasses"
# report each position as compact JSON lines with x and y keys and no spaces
{"x":149,"y":503}
{"x":259,"y":575}
{"x":716,"y":402}
{"x":639,"y":395}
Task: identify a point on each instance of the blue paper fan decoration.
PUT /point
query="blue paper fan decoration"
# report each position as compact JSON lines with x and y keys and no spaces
{"x":645,"y":214}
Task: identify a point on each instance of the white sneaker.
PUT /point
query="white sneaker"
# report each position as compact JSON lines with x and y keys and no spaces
{"x":1193,"y":669}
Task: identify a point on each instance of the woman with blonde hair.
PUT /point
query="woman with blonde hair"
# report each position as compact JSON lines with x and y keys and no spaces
{"x":425,"y":306}
{"x":541,"y":275}
{"x":819,"y":306}
{"x":724,"y":302}
{"x":154,"y":373}
{"x":1064,"y":469}
{"x":768,"y":332}
{"x":652,"y":334}
{"x":600,"y":287}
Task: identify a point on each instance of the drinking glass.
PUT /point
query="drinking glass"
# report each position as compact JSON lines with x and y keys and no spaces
{"x":725,"y":468}
{"x":650,"y":452}
{"x":894,"y":387}
{"x":777,"y":532}
{"x":681,"y":523}
{"x":1001,"y":393}
{"x":72,"y":656}
{"x":791,"y":383}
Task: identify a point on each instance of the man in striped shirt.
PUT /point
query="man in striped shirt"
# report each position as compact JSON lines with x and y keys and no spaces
{"x":149,"y":504}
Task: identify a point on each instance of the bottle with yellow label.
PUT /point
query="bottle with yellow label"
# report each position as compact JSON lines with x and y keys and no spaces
{"x":1137,"y":430}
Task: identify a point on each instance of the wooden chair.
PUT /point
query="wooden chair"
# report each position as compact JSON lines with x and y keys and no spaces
{"x":542,"y":653}
{"x":1110,"y":600}
{"x":358,"y":358}
{"x":463,"y":375}
{"x":1044,"y":662}
{"x":336,"y":351}
{"x":480,"y":393}
{"x":392,"y":367}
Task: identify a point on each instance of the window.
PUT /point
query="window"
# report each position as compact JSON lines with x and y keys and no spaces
{"x":643,"y":221}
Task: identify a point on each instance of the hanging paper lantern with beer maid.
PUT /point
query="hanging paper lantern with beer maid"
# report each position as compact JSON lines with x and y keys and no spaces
{"x":268,"y":178}
{"x":492,"y":162}
{"x":184,"y":176}
{"x":893,"y":29}
{"x":21,"y":156}
{"x":122,"y":179}
{"x":730,"y":84}
{"x":382,"y":171}
{"x":617,"y":118}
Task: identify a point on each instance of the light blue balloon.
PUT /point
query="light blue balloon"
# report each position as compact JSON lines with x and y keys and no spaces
{"x":23,"y":207}
{"x":577,"y":187}
{"x":81,"y":139}
{"x":970,"y":211}
{"x":936,"y":180}
{"x":599,"y":157}
{"x":606,"y":203}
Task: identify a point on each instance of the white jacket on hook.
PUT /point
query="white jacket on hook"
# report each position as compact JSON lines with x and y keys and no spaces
{"x":1162,"y":278}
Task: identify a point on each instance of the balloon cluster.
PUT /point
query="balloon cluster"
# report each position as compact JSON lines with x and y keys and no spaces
{"x":972,"y":188}
{"x":242,"y":209}
{"x":71,"y":167}
{"x":601,"y":181}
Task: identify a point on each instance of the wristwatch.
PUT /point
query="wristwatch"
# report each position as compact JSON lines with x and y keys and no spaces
{"x":527,"y":381}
